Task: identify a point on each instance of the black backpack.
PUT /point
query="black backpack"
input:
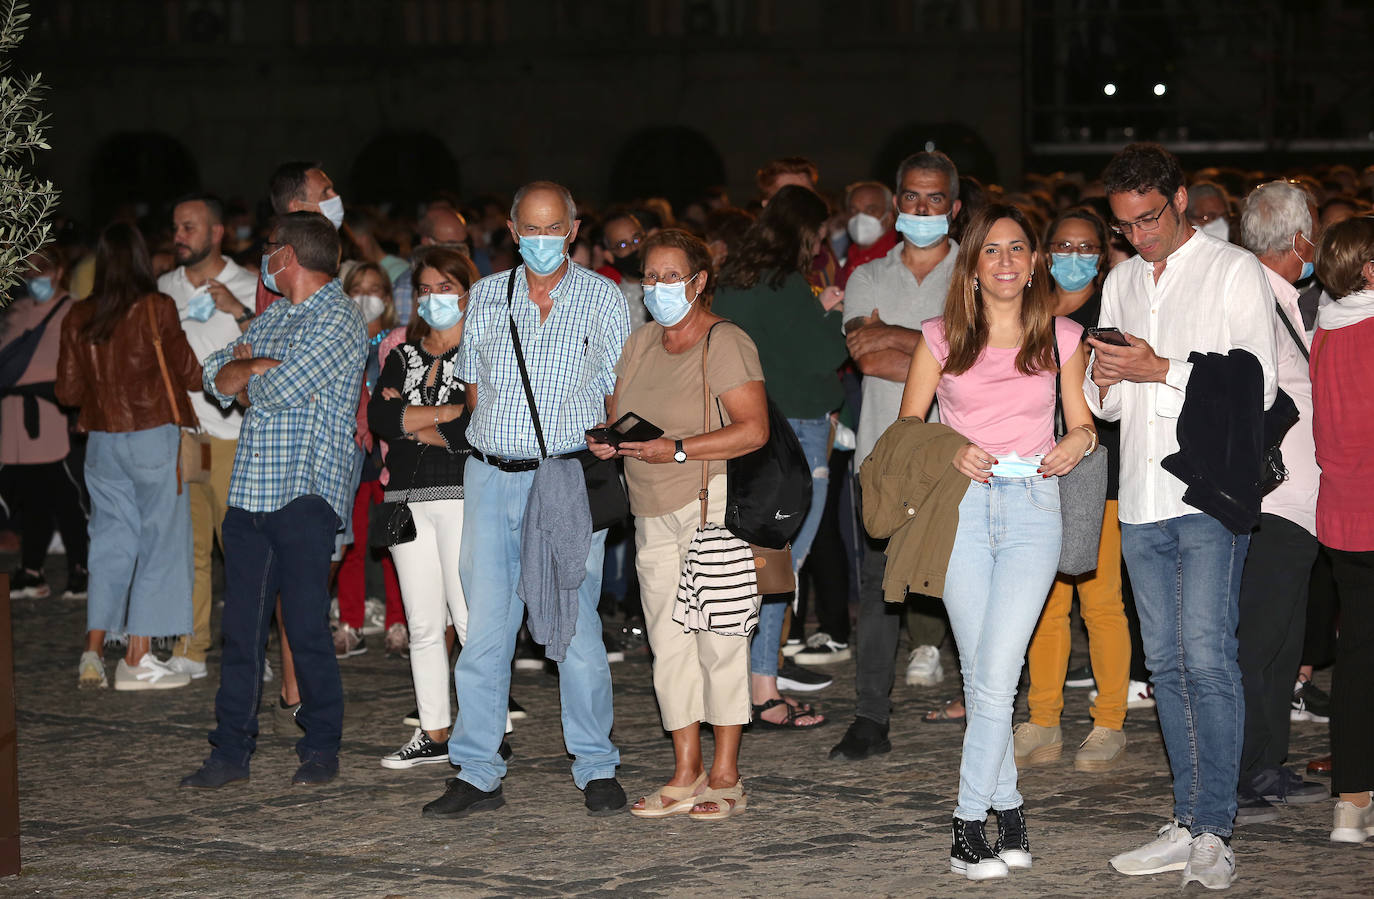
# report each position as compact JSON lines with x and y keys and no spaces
{"x":768,"y":491}
{"x":15,"y":358}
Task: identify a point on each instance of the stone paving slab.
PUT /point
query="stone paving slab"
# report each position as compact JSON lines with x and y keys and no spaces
{"x":102,"y":815}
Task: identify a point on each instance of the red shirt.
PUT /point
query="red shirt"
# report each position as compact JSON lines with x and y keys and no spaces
{"x":1342,"y":369}
{"x":610,"y":271}
{"x":859,"y":255}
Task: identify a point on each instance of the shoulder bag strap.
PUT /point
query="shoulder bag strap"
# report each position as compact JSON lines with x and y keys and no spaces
{"x":1061,"y":427}
{"x":524,"y":372}
{"x":1283,"y":317}
{"x":162,"y":362}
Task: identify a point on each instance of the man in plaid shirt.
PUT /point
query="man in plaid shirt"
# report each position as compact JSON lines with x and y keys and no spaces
{"x":297,"y":369}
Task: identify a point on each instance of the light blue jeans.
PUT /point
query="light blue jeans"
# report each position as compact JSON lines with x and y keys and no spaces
{"x":1006,"y":551}
{"x":140,"y":529}
{"x":1186,"y":574}
{"x":489,"y":565}
{"x":814,"y":436}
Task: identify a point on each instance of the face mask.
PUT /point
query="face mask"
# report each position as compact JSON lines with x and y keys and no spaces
{"x":1307,"y":267}
{"x":1217,"y":228}
{"x":41,"y":288}
{"x":200,"y":306}
{"x":371,"y":306}
{"x":543,"y":253}
{"x":668,"y":303}
{"x":628,"y":265}
{"x":1072,"y":271}
{"x":923,"y":230}
{"x":441,"y":310}
{"x":269,"y":278}
{"x":243,"y":232}
{"x":864,"y":229}
{"x":332,"y":209}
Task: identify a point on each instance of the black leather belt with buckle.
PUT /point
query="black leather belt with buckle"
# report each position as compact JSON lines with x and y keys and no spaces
{"x":506,"y":464}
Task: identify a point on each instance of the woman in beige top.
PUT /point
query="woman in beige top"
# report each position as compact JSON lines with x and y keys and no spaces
{"x":699,"y":675}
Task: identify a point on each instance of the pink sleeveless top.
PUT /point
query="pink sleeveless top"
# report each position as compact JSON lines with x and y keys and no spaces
{"x":993,"y":404}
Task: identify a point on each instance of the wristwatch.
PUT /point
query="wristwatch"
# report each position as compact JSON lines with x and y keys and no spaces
{"x":679,"y":454}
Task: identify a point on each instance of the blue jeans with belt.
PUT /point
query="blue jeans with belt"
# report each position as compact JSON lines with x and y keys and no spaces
{"x":814,"y":436}
{"x":1005,"y":554}
{"x":1186,"y":574}
{"x":269,"y":553}
{"x":489,"y":565}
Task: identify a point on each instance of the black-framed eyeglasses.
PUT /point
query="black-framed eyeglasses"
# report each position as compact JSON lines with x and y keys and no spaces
{"x":628,"y":244}
{"x":1144,"y":225}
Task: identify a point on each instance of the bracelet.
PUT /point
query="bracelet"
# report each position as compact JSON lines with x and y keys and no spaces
{"x":1092,"y":437}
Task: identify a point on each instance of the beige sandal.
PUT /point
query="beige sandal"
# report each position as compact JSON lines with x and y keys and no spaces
{"x":729,"y":801}
{"x":683,"y":799}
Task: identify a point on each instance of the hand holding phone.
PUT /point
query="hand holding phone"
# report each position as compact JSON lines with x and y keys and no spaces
{"x":1112,"y":336}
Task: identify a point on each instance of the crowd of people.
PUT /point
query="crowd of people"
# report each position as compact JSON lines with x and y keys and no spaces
{"x":442,"y":394}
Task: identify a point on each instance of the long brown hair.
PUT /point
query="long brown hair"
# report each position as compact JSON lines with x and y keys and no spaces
{"x":123,"y":274}
{"x":965,"y":320}
{"x":453,"y":263}
{"x":779,"y":242}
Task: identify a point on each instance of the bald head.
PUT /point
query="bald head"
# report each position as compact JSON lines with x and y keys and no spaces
{"x":441,"y":225}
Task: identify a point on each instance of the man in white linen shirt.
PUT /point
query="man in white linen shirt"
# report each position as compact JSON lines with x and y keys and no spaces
{"x":214,"y":298}
{"x":1277,"y":225}
{"x":1186,"y":292}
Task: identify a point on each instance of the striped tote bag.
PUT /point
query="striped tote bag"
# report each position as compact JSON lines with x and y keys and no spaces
{"x":718,"y":588}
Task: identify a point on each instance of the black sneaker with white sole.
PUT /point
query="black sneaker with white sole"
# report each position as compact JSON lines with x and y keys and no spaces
{"x":970,"y":854}
{"x":421,"y":750}
{"x":1310,"y":703}
{"x":797,"y":679}
{"x":413,"y":718}
{"x":1079,"y":677}
{"x":821,"y":649}
{"x":516,"y":710}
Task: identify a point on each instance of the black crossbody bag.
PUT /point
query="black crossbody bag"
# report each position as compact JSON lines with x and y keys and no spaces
{"x":606,"y":495}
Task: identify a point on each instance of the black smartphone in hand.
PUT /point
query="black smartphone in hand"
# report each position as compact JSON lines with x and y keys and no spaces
{"x":1108,"y":335}
{"x":630,"y":427}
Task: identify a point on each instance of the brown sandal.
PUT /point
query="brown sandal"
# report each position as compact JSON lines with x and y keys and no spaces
{"x":790,"y":722}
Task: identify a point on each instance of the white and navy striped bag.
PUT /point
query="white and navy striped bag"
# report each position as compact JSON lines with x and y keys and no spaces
{"x":718,"y":588}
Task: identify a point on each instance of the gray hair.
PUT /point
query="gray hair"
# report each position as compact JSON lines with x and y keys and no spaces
{"x":1273,"y":213}
{"x":544,"y":185}
{"x":931,"y":161}
{"x":859,"y":185}
{"x":1199,"y":189}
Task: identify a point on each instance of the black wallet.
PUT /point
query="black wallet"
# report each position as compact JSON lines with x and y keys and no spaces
{"x":630,"y":428}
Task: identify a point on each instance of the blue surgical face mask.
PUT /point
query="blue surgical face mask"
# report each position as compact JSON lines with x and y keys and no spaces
{"x":41,"y":288}
{"x":1072,"y":271}
{"x":543,"y":253}
{"x":1307,"y":267}
{"x":668,"y":303}
{"x":200,"y":306}
{"x":269,"y":278}
{"x":923,"y":230}
{"x":441,"y":310}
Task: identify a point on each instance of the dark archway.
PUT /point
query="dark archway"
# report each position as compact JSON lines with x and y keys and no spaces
{"x":665,"y":161}
{"x":957,"y":141}
{"x":142,"y":172}
{"x":403,"y":168}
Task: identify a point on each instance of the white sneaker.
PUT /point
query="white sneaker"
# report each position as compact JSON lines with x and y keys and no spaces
{"x":923,"y":667}
{"x":1210,"y":862}
{"x":374,"y":617}
{"x":1353,"y":824}
{"x":90,"y":671}
{"x":1168,"y":851}
{"x":266,"y":671}
{"x":1139,"y":695}
{"x":148,"y":674}
{"x":190,"y":667}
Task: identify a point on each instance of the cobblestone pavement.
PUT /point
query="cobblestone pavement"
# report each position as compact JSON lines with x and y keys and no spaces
{"x":102,"y":814}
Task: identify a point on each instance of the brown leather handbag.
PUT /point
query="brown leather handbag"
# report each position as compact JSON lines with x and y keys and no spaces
{"x":193,"y":458}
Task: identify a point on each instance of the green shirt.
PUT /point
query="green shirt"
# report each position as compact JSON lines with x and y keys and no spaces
{"x":800,"y":344}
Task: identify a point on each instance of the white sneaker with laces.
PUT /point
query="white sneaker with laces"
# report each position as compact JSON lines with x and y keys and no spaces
{"x":1210,"y":862}
{"x":148,"y":674}
{"x":187,"y":666}
{"x":923,"y":667}
{"x":1352,"y":823}
{"x":1168,"y":851}
{"x":1139,"y":695}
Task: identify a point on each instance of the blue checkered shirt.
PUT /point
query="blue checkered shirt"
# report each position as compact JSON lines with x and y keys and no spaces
{"x":297,"y":437}
{"x":571,"y":358}
{"x":403,"y":297}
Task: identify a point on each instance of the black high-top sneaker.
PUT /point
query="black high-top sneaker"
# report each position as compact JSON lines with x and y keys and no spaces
{"x":970,"y":854}
{"x":1012,"y":846}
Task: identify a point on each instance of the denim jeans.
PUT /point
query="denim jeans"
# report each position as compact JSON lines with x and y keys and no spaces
{"x":1186,"y":572}
{"x":489,"y":564}
{"x":140,"y":529}
{"x":284,"y":552}
{"x":1005,"y":554}
{"x":814,"y":436}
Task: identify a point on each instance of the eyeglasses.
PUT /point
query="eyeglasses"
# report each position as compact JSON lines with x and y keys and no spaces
{"x":670,"y":278}
{"x":1145,"y":225}
{"x":627,"y":244}
{"x":1082,"y":249}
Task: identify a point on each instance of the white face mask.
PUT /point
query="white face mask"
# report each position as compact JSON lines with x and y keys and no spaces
{"x":1218,"y":228}
{"x":371,"y":306}
{"x":864,"y":229}
{"x":333,"y":210}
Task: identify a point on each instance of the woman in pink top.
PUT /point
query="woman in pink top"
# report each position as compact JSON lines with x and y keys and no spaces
{"x":990,"y":360}
{"x":1342,"y":369}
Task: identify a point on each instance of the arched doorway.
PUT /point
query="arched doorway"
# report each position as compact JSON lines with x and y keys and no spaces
{"x":665,"y":161}
{"x":403,"y":169}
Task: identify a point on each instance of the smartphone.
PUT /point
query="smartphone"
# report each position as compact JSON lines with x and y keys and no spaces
{"x":630,"y":427}
{"x":1108,"y":335}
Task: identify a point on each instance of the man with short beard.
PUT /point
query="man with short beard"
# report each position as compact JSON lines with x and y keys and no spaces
{"x":214,"y":298}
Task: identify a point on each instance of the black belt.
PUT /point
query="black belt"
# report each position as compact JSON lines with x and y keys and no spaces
{"x":506,"y":464}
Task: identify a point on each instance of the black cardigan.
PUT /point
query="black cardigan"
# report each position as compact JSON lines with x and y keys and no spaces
{"x":426,"y":472}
